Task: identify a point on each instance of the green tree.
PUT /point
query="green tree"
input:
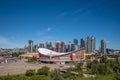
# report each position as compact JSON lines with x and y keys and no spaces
{"x":43,"y":71}
{"x":55,"y":75}
{"x":7,"y":77}
{"x":117,"y":76}
{"x":78,"y":66}
{"x":15,"y":54}
{"x":30,"y":72}
{"x":103,"y":59}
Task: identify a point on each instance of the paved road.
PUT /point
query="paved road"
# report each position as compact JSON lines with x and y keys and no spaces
{"x":21,"y":67}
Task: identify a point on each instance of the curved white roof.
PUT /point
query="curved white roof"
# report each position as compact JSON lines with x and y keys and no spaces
{"x":48,"y":52}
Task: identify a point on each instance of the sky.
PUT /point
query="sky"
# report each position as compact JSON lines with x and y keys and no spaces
{"x":64,"y":20}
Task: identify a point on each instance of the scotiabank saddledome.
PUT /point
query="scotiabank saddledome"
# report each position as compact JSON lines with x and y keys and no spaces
{"x":49,"y":56}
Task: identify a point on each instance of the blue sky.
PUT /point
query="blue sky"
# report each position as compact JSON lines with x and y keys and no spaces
{"x":43,"y":20}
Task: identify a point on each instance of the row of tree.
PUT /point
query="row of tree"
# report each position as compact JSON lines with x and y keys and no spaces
{"x":105,"y":66}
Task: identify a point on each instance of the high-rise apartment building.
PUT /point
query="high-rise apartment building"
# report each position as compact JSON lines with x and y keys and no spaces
{"x":72,"y":47}
{"x":90,"y":44}
{"x":62,"y":46}
{"x":82,"y":43}
{"x":103,"y":47}
{"x":48,"y":45}
{"x":69,"y":46}
{"x":58,"y":46}
{"x":76,"y":47}
{"x":75,"y":44}
{"x":35,"y":49}
{"x":75,"y":41}
{"x":30,"y":46}
{"x":66,"y":47}
{"x":42,"y":45}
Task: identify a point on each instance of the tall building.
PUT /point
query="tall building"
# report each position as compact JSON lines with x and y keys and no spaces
{"x":42,"y":45}
{"x":58,"y":46}
{"x":69,"y":46}
{"x":103,"y":46}
{"x":30,"y":46}
{"x":76,"y":47}
{"x":82,"y":43}
{"x":72,"y":47}
{"x":62,"y":46}
{"x":75,"y":41}
{"x":90,"y":44}
{"x":48,"y":45}
{"x":66,"y":47}
{"x":35,"y":49}
{"x":75,"y":44}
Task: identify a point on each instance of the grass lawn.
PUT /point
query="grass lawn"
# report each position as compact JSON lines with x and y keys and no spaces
{"x":42,"y":77}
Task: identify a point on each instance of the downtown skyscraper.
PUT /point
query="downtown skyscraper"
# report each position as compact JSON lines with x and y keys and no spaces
{"x":75,"y":41}
{"x":58,"y":46}
{"x":90,"y":44}
{"x":82,"y":43}
{"x":62,"y":46}
{"x":30,"y":46}
{"x":75,"y":44}
{"x":35,"y":48}
{"x":42,"y":45}
{"x":103,"y":47}
{"x":48,"y":45}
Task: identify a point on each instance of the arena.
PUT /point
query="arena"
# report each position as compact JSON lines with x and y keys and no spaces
{"x":49,"y":56}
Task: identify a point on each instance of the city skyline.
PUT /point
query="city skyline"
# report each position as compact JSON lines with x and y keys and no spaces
{"x":63,"y":20}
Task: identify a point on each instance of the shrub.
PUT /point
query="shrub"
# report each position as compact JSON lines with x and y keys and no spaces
{"x":117,"y":76}
{"x":6,"y":78}
{"x":55,"y":75}
{"x":43,"y":71}
{"x":30,"y":72}
{"x":15,"y":54}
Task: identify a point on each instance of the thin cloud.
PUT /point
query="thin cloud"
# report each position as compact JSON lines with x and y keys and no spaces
{"x":93,"y":6}
{"x":78,"y":11}
{"x":6,"y":43}
{"x":61,"y":15}
{"x":43,"y":32}
{"x":49,"y":29}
